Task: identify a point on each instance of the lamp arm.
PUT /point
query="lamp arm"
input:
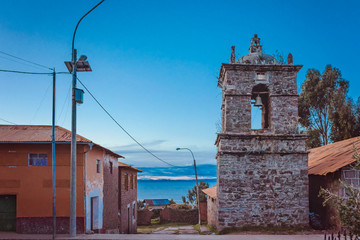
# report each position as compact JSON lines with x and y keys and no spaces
{"x":73,"y":40}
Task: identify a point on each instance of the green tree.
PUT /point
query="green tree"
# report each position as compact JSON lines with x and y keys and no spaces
{"x":348,"y":206}
{"x":192,"y":193}
{"x":325,"y":111}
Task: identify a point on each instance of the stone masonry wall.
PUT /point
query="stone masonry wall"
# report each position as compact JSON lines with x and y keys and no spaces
{"x":262,"y":174}
{"x":237,"y":85}
{"x":262,"y":189}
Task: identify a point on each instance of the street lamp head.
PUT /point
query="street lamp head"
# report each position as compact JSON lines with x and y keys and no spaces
{"x":82,"y":58}
{"x":177,"y":149}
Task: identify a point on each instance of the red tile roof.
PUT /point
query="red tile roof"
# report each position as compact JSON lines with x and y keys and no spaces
{"x":124,"y":165}
{"x":331,"y":157}
{"x":211,"y":192}
{"x":41,"y":133}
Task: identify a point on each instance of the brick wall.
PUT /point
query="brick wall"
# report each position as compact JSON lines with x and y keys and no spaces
{"x":127,"y":201}
{"x":111,"y":191}
{"x":144,"y":217}
{"x":179,"y":215}
{"x":203,"y":211}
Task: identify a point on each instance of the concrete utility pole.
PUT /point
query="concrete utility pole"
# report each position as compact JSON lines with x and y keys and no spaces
{"x":197,"y":184}
{"x":76,"y":97}
{"x":53,"y":156}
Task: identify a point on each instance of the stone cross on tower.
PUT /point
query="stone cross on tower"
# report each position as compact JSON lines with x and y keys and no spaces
{"x":255,"y":44}
{"x":262,"y":174}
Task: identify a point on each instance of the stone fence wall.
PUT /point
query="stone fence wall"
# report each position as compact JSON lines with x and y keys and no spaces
{"x":168,"y":215}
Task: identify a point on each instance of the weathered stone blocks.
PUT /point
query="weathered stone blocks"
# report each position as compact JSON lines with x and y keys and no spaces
{"x":262,"y":174}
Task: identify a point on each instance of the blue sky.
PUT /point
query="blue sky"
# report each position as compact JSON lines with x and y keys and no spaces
{"x":155,"y":63}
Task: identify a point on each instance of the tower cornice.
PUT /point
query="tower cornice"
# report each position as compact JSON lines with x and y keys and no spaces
{"x":257,"y":68}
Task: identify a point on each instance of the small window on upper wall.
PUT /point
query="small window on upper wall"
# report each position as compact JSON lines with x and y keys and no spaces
{"x":37,"y":159}
{"x":126,"y":182}
{"x":98,"y":166}
{"x":135,"y":181}
{"x":131,"y":182}
{"x":111,"y":167}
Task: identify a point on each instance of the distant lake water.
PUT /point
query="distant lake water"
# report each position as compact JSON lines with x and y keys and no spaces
{"x":167,"y":189}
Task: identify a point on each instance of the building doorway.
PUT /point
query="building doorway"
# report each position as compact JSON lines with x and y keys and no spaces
{"x":129,"y":219}
{"x":8,"y":213}
{"x":94,"y":213}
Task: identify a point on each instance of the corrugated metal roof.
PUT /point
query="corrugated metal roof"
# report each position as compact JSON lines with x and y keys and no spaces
{"x":36,"y":133}
{"x":331,"y":157}
{"x":41,"y":133}
{"x":211,"y":192}
{"x":156,"y":202}
{"x":121,"y":164}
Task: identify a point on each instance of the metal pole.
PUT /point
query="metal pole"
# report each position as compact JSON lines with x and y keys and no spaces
{"x":73,"y":153}
{"x":73,"y":133}
{"x":53,"y":157}
{"x":197,"y":184}
{"x":197,"y":187}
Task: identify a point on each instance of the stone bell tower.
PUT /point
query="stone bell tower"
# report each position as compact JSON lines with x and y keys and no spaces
{"x":262,"y":174}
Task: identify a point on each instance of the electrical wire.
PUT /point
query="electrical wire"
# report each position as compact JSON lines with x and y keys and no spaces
{"x":148,"y":151}
{"x":13,"y":71}
{"x":41,"y":102}
{"x":117,"y":123}
{"x":37,"y":64}
{"x":65,"y":101}
{"x":7,"y":121}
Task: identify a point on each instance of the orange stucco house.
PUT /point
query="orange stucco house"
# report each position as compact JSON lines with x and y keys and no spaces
{"x":26,"y":182}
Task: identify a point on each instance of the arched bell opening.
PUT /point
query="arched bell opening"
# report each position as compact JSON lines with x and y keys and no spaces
{"x":260,"y":107}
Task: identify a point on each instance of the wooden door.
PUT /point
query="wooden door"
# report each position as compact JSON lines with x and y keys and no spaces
{"x":8,"y":213}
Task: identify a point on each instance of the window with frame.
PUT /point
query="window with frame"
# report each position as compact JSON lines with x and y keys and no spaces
{"x":131,"y":182}
{"x":98,"y":166}
{"x":111,"y":168}
{"x":135,"y":182}
{"x":126,"y":182}
{"x":37,"y":159}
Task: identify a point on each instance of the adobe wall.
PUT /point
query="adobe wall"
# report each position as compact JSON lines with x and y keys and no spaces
{"x":203,"y":211}
{"x":32,"y":185}
{"x":179,"y":215}
{"x":94,"y":188}
{"x":212,"y":211}
{"x":111,"y":195}
{"x":127,"y":201}
{"x":144,"y":217}
{"x":329,"y":214}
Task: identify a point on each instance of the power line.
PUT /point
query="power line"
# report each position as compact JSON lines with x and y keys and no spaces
{"x":65,"y":101}
{"x":41,"y":102}
{"x":22,"y":72}
{"x":7,"y":121}
{"x":14,"y":71}
{"x":148,"y":151}
{"x":37,"y":64}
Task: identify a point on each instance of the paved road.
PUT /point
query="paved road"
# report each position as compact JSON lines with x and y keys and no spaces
{"x":163,"y":237}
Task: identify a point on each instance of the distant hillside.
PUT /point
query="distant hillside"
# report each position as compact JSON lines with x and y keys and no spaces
{"x":204,"y":171}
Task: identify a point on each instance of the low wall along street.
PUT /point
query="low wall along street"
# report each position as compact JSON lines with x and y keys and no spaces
{"x":168,"y":215}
